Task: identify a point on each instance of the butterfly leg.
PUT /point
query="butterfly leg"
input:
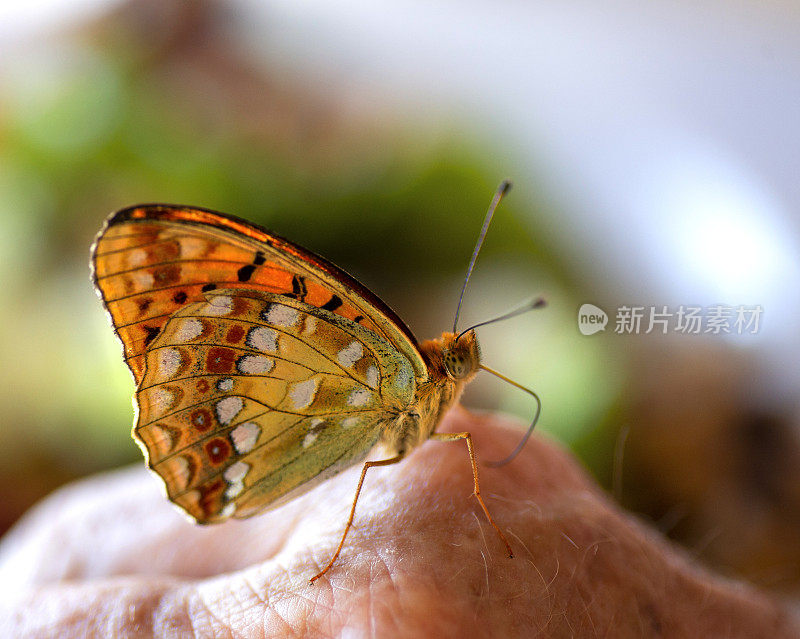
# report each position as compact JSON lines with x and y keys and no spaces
{"x":367,"y":466}
{"x":451,"y":437}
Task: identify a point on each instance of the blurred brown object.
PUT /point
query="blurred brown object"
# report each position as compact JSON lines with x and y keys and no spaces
{"x":26,"y":479}
{"x":712,"y":464}
{"x":187,"y":52}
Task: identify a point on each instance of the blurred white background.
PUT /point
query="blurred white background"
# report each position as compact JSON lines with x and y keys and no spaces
{"x":668,"y":132}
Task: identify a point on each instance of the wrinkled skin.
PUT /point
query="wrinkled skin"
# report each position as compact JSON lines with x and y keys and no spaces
{"x":109,"y":556}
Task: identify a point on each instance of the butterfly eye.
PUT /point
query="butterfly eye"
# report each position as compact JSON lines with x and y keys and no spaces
{"x":456,"y":365}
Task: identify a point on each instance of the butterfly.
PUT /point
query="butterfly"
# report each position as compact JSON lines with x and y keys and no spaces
{"x":262,"y":369}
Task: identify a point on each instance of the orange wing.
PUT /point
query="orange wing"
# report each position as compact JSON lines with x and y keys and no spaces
{"x":150,"y":260}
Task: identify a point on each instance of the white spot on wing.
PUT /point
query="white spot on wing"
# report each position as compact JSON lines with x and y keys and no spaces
{"x":182,"y":469}
{"x":137,"y":258}
{"x":262,"y":338}
{"x":228,"y":510}
{"x":188,"y":329}
{"x":225,"y":384}
{"x":314,"y":429}
{"x":372,"y":376}
{"x":193,"y":248}
{"x":219,"y":305}
{"x":169,"y":361}
{"x":236,"y":472}
{"x":227,"y":409}
{"x":359,"y":397}
{"x":402,"y":378}
{"x":281,"y":315}
{"x":350,"y":354}
{"x":255,"y":365}
{"x":349,"y":422}
{"x":245,"y":436}
{"x":162,"y":399}
{"x":302,"y":393}
{"x":310,"y":325}
{"x":164,"y":435}
{"x":143,"y":279}
{"x":234,"y":489}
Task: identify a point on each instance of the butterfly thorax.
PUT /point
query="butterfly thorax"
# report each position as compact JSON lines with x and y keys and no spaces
{"x":452,"y":362}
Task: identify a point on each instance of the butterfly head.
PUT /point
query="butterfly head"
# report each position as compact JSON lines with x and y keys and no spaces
{"x":461,"y":355}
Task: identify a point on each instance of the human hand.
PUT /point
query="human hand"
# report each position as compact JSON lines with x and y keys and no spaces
{"x":108,"y":556}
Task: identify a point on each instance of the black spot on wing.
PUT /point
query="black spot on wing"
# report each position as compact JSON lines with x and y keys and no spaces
{"x":208,"y":287}
{"x":299,"y":289}
{"x":259,"y":259}
{"x":179,"y":297}
{"x":246,"y":272}
{"x":333,"y":303}
{"x":152,"y":333}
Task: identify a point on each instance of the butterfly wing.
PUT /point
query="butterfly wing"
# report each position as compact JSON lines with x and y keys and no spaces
{"x":151,"y":260}
{"x":250,"y":398}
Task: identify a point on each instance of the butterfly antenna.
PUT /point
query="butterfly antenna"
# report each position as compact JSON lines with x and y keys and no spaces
{"x":521,"y":445}
{"x":504,"y":187}
{"x":538,"y":302}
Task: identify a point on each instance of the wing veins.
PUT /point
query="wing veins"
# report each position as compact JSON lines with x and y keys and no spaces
{"x":247,"y":489}
{"x":233,"y":348}
{"x":221,"y":284}
{"x":214,"y":375}
{"x":176,"y":232}
{"x":222,"y":470}
{"x":282,"y":332}
{"x":178,"y":261}
{"x":249,"y":399}
{"x":216,"y":433}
